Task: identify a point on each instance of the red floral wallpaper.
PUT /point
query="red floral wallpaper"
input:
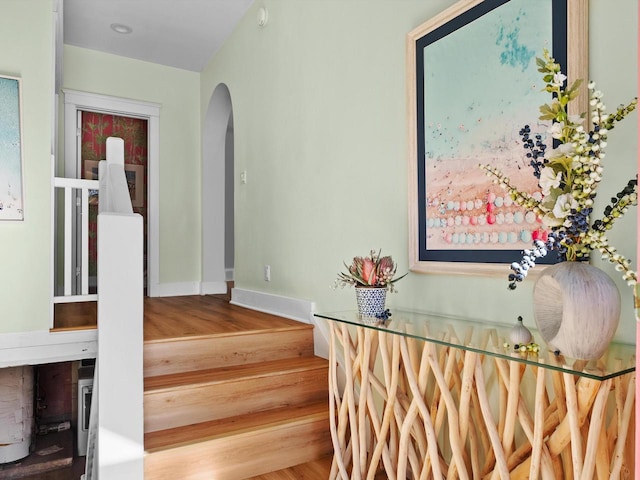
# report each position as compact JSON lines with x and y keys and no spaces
{"x":96,"y":128}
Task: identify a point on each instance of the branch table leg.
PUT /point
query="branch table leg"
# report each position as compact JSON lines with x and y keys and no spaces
{"x":426,"y":410}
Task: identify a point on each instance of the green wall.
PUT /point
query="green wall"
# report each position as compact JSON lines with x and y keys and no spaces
{"x":319,"y":116}
{"x":26,"y":26}
{"x":177,"y":91}
{"x":25,"y":247}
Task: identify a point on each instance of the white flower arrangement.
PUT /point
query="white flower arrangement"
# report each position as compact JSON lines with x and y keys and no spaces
{"x":569,"y":175}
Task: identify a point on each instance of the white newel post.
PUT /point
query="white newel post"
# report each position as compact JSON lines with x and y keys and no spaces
{"x":120,"y":341}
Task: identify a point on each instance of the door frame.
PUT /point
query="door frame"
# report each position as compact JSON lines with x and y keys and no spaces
{"x":75,"y":101}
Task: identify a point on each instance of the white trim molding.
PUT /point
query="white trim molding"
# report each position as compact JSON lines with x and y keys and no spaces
{"x":287,"y":307}
{"x":42,"y":346}
{"x":179,"y":289}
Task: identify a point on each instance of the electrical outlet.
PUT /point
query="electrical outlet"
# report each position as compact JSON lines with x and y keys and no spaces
{"x":267,"y":273}
{"x":243,"y":177}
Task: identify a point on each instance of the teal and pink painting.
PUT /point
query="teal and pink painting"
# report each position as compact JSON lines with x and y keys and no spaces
{"x":481,"y":86}
{"x":11,"y":198}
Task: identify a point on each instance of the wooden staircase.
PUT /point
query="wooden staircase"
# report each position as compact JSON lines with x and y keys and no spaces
{"x":236,"y":394}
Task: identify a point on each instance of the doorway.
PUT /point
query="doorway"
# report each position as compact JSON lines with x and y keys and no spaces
{"x":96,"y":127}
{"x":75,"y":102}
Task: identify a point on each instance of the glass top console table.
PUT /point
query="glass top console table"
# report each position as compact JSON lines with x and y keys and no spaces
{"x":491,"y":339}
{"x":422,"y":395}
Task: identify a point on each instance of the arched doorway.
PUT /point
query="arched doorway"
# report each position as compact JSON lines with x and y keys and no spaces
{"x":217,"y":193}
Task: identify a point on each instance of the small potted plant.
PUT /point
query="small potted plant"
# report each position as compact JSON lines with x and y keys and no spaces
{"x":372,"y":277}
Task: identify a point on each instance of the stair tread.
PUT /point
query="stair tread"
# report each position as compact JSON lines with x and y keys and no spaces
{"x":180,"y":337}
{"x":233,"y":373}
{"x":190,"y":434}
{"x":168,"y":357}
{"x":174,"y":318}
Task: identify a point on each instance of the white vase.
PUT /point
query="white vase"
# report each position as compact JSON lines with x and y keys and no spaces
{"x":371,"y":301}
{"x":577,"y":309}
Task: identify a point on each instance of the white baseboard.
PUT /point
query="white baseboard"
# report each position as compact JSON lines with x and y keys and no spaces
{"x":292,"y":308}
{"x":42,"y":346}
{"x":213,"y":288}
{"x":287,"y":307}
{"x":187,"y":288}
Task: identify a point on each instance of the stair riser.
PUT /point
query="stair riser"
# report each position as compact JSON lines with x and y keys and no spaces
{"x":242,"y":455}
{"x":202,"y":353}
{"x":200,"y":403}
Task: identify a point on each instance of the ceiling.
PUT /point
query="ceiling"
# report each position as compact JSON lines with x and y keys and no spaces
{"x":178,"y":33}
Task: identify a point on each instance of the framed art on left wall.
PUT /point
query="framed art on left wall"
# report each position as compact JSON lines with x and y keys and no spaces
{"x":11,"y":195}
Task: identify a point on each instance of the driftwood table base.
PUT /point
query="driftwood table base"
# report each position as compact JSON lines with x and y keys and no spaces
{"x":405,"y":408}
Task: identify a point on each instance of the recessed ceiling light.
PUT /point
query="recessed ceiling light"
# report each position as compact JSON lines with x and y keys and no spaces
{"x":120,"y":28}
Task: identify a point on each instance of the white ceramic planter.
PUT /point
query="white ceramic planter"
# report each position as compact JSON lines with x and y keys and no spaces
{"x":577,"y":309}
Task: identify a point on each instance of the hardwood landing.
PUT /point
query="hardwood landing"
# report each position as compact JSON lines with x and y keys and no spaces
{"x":168,"y":318}
{"x":84,"y":315}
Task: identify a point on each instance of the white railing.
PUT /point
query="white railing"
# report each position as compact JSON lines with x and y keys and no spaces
{"x":73,"y":218}
{"x":116,"y":432}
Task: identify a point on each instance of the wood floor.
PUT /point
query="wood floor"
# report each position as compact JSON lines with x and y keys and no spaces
{"x":74,"y":472}
{"x":75,"y":316}
{"x":198,"y":315}
{"x":168,"y":318}
{"x":318,"y":470}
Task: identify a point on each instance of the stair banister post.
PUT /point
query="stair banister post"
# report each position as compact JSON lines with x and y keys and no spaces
{"x":120,"y":326}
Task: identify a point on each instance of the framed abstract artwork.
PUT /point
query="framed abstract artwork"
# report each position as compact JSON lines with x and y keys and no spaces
{"x":11,"y":195}
{"x":472,"y":84}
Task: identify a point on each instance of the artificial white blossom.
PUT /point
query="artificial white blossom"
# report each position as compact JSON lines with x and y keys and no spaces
{"x":556,"y":130}
{"x":558,"y":79}
{"x":549,"y":179}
